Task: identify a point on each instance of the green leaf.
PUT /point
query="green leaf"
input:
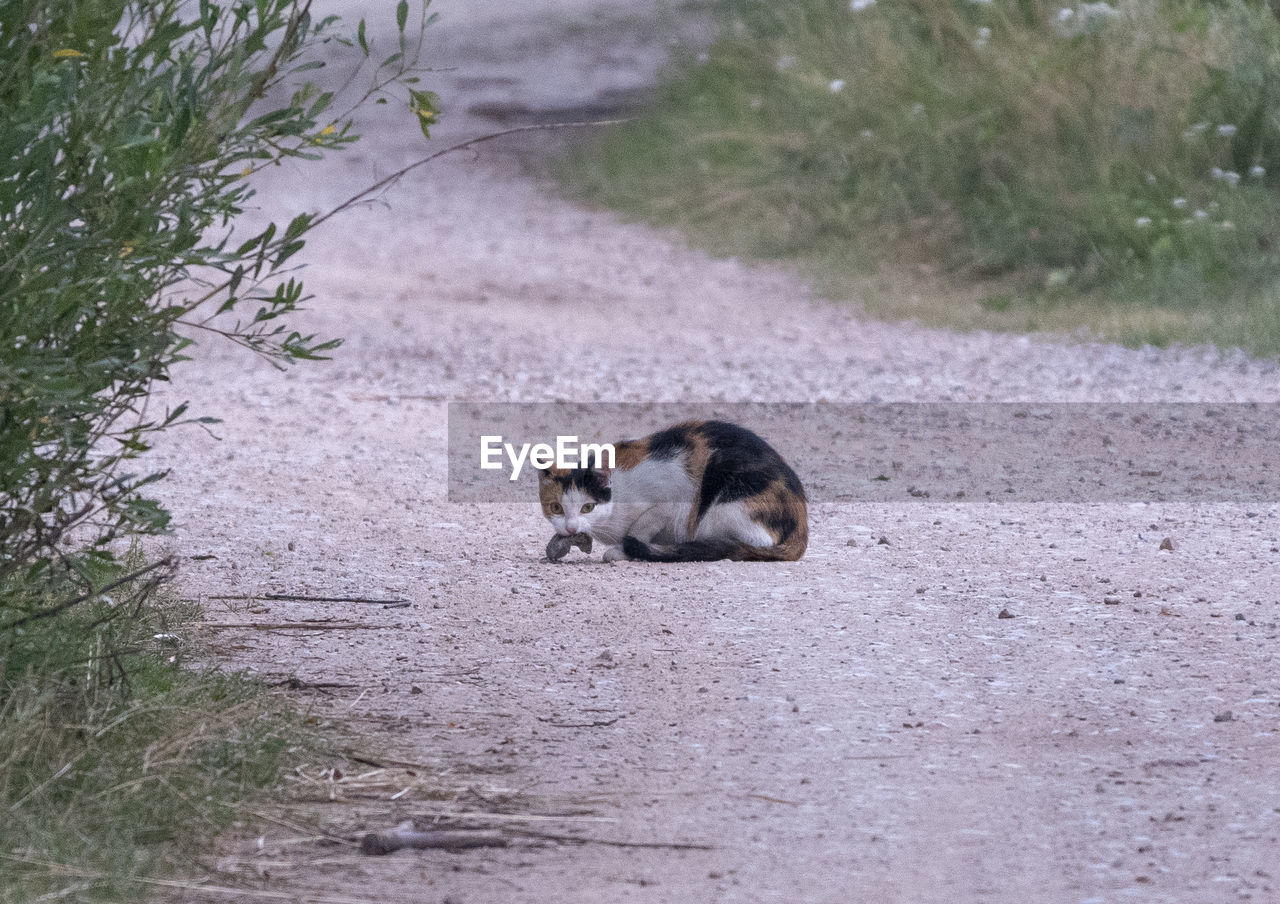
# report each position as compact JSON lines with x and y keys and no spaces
{"x":360,"y":36}
{"x":402,"y":14}
{"x":297,"y":226}
{"x":425,"y":105}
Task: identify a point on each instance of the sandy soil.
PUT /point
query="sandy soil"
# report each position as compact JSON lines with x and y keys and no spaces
{"x":860,"y":725}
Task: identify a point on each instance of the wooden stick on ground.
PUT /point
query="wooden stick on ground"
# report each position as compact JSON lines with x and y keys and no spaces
{"x":406,"y":835}
{"x":302,"y":598}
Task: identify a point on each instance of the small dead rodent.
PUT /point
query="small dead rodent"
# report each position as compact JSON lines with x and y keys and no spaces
{"x":558,"y":546}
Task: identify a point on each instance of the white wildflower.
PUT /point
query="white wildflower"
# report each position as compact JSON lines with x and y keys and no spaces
{"x":1217,"y":172}
{"x":866,"y":133}
{"x":859,"y":5}
{"x":1257,"y":171}
{"x":1227,"y":224}
{"x":1098,"y":10}
{"x":704,"y":58}
{"x":1179,"y":203}
{"x":1142,"y":222}
{"x":1200,"y":215}
{"x":984,"y":35}
{"x":917,"y":109}
{"x":1231,"y":178}
{"x":1226,"y":130}
{"x":836,"y":86}
{"x":1066,"y":14}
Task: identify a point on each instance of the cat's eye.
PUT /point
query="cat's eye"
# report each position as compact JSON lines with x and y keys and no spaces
{"x":555,"y":509}
{"x":588,"y":507}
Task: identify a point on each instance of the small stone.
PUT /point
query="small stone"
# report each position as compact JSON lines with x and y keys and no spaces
{"x":1005,"y":613}
{"x":1239,"y":616}
{"x":1166,"y":544}
{"x":883,"y":541}
{"x":1111,"y":600}
{"x":1225,"y":716}
{"x":414,"y":689}
{"x":851,"y":542}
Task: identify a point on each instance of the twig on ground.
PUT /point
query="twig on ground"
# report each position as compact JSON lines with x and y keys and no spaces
{"x":406,"y":835}
{"x":302,"y":598}
{"x":667,"y":845}
{"x":298,"y":684}
{"x":603,"y":723}
{"x":297,"y":626}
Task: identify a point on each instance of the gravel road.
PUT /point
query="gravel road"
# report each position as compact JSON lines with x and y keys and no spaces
{"x":857,"y":726}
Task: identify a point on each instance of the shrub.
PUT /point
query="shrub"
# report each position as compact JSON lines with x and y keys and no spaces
{"x":130,"y":130}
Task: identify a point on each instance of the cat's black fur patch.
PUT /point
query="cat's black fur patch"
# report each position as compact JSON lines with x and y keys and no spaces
{"x":588,"y":481}
{"x":741,"y":465}
{"x":692,"y":551}
{"x":670,"y":442}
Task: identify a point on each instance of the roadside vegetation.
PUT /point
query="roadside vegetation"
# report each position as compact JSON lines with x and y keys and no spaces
{"x":1010,"y":164}
{"x":119,"y":759}
{"x":132,"y":133}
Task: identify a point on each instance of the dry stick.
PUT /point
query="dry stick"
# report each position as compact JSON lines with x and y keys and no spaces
{"x":297,"y":597}
{"x":67,"y":604}
{"x":406,"y":836}
{"x":600,"y":724}
{"x":669,"y":845}
{"x":296,"y":626}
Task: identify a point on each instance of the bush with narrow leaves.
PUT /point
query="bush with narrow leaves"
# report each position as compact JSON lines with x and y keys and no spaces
{"x":130,"y":131}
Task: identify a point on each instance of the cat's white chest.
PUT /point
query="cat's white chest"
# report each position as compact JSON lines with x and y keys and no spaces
{"x":654,"y":497}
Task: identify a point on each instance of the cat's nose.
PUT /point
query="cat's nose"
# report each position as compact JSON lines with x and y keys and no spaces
{"x":571,"y":529}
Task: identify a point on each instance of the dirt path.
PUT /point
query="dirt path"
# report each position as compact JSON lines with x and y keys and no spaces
{"x":858,"y":726}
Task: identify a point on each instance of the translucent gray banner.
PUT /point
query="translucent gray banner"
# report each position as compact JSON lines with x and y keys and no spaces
{"x":901,"y":452}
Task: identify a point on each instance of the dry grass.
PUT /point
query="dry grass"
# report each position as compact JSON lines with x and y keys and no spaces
{"x":118,"y":761}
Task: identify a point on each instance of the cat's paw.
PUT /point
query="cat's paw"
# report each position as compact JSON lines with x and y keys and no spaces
{"x":614,"y":554}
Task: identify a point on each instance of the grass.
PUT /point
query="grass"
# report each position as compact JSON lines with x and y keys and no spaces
{"x":118,"y":760}
{"x":1001,"y":164}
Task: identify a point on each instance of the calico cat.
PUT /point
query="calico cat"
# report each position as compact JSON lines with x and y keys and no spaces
{"x":695,"y":492}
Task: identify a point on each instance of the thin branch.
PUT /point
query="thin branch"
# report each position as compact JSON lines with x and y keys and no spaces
{"x":462,"y":145}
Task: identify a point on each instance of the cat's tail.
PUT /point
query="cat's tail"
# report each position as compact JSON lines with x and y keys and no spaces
{"x":710,"y":551}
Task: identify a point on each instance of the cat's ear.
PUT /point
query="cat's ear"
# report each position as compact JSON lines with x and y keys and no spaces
{"x":544,"y":474}
{"x":602,"y":474}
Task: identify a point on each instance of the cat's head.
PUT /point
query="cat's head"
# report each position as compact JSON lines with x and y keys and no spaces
{"x":574,"y":500}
